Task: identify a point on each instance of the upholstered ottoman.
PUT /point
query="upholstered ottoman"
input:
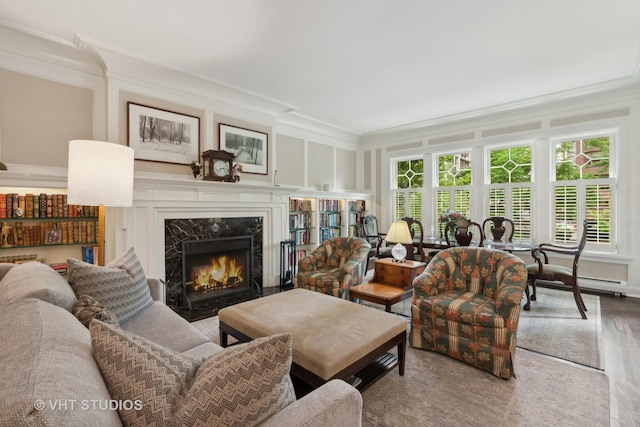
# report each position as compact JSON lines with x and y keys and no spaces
{"x":332,"y":338}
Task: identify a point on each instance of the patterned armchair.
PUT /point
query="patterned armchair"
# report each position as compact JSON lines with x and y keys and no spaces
{"x":466,"y":305}
{"x":333,"y":267}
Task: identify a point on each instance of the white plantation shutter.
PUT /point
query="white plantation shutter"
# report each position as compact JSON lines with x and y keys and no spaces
{"x":520,"y":205}
{"x":399,"y":204}
{"x":566,"y":214}
{"x":598,"y":207}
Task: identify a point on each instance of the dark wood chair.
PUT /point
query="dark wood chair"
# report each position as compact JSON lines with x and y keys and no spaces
{"x":371,"y":233}
{"x":463,"y":230}
{"x":500,"y":228}
{"x":543,"y":270}
{"x":416,"y":251}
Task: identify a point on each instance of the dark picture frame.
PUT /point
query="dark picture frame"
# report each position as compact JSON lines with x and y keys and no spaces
{"x":164,"y":136}
{"x":250,"y":147}
{"x":53,"y":236}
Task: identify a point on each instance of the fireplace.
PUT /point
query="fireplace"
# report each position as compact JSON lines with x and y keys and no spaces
{"x":193,"y":242}
{"x":214,"y":268}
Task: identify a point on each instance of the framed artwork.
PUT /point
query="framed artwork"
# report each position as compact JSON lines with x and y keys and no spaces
{"x":53,"y":236}
{"x":162,"y":136}
{"x":248,"y":146}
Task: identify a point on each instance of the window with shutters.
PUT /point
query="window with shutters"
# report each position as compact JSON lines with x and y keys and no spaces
{"x":509,"y":190}
{"x":407,"y":194}
{"x":453,"y":185}
{"x":583,"y":188}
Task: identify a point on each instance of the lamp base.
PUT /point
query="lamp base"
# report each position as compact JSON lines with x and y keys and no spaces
{"x":399,"y":253}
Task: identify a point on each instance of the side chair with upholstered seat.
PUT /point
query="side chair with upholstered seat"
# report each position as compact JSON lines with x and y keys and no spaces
{"x":466,"y":304}
{"x":334,"y":266}
{"x":543,"y":270}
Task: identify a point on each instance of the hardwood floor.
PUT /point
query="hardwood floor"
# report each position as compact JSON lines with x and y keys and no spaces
{"x":621,"y":341}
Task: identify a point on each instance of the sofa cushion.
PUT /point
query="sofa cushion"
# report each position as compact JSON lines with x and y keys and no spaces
{"x":241,"y":386}
{"x":136,"y":370}
{"x":47,"y":360}
{"x":88,"y":308}
{"x":121,"y":286}
{"x":163,"y":326}
{"x":36,"y":280}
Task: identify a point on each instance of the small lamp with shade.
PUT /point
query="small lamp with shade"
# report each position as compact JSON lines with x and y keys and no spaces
{"x":400,"y":235}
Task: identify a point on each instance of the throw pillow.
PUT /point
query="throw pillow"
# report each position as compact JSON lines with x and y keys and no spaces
{"x":147,"y":378}
{"x":121,"y":286}
{"x":88,"y":308}
{"x":241,"y":386}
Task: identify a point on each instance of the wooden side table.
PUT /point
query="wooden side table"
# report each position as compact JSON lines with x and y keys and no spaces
{"x":391,"y":283}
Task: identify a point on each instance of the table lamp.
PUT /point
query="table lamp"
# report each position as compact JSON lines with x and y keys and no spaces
{"x":99,"y":174}
{"x":400,"y":235}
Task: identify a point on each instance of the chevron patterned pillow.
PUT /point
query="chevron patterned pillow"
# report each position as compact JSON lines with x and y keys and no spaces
{"x":121,"y":286}
{"x":241,"y":386}
{"x":146,"y":379}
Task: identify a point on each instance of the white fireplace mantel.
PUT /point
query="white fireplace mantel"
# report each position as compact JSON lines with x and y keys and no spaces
{"x":158,"y":198}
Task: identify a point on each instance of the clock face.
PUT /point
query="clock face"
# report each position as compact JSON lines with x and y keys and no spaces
{"x":221,"y":167}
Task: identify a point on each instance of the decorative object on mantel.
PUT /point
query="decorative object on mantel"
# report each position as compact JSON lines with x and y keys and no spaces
{"x":218,"y":166}
{"x":237,"y":171}
{"x":248,"y":146}
{"x":162,"y":136}
{"x":195,"y":168}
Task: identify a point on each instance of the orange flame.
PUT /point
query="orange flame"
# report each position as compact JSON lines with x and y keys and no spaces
{"x":222,"y":273}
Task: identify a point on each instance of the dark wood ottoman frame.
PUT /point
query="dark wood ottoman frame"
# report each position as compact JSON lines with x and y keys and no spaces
{"x":369,"y":368}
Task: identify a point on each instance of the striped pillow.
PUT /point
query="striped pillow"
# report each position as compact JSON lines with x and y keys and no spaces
{"x":121,"y":286}
{"x":240,"y":386}
{"x":148,"y":379}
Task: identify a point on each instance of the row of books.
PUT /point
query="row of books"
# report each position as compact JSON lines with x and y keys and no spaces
{"x":52,"y":232}
{"x":301,"y":237}
{"x":329,"y":205}
{"x":300,"y":221}
{"x":300,"y":205}
{"x":328,"y":233}
{"x":330,"y":219}
{"x":42,"y":205}
{"x":356,"y":205}
{"x":90,"y":254}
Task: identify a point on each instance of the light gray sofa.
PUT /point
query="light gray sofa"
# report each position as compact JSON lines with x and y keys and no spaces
{"x":48,"y":374}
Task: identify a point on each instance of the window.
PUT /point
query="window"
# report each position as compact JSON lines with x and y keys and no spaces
{"x":509,"y":189}
{"x":453,"y":186}
{"x":582,"y":188}
{"x":407,"y":195}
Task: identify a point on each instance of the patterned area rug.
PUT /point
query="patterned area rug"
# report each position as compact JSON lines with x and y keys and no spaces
{"x":554,"y":327}
{"x":440,"y":391}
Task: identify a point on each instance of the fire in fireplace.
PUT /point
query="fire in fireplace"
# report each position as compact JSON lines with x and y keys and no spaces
{"x":212,"y":268}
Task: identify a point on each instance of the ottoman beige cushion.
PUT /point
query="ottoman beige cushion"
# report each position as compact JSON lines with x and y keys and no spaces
{"x":329,"y":333}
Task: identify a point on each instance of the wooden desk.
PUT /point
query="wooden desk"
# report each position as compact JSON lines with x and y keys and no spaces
{"x":391,"y":282}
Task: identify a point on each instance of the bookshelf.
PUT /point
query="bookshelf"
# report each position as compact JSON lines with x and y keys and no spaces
{"x":41,"y":226}
{"x":330,"y":218}
{"x":301,"y":224}
{"x":357,"y":209}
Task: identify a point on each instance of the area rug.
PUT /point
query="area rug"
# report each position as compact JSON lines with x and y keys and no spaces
{"x":554,"y":327}
{"x":440,"y":391}
{"x":437,"y":390}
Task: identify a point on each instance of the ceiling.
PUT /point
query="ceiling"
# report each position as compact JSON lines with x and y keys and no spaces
{"x":364,"y":65}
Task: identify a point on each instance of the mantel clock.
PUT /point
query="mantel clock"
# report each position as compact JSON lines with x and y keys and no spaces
{"x":218,"y":165}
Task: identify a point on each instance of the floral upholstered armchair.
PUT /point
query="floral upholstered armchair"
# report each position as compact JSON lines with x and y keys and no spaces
{"x":333,"y":267}
{"x":466,"y":304}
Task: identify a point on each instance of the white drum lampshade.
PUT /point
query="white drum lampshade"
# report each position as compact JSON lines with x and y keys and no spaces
{"x":99,"y":173}
{"x":400,"y":235}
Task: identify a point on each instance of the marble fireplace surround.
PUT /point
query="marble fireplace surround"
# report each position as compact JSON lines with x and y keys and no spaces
{"x":156,"y":200}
